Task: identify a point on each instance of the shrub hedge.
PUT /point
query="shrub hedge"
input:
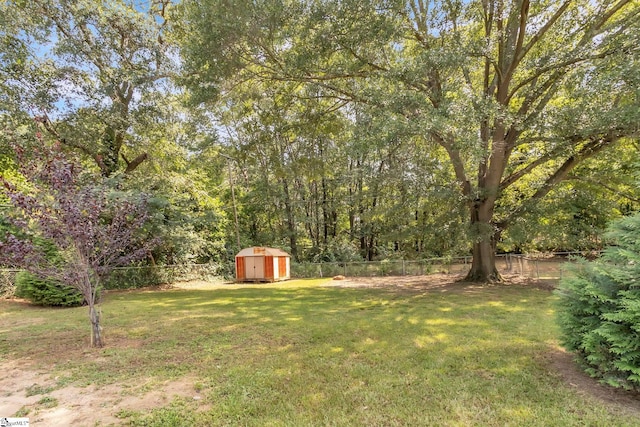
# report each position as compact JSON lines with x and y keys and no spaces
{"x":599,"y":309}
{"x":46,"y":292}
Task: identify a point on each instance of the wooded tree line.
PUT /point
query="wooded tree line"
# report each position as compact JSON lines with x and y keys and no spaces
{"x":347,"y":129}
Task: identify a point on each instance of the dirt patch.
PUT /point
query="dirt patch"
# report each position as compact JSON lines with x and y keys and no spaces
{"x":563,"y":364}
{"x":39,"y":397}
{"x":437,"y":282}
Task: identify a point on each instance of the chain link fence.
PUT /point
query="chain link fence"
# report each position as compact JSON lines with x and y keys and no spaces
{"x":138,"y":277}
{"x":539,"y":266}
{"x":7,"y":283}
{"x":154,"y":275}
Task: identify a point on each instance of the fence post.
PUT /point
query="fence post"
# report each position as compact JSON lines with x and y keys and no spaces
{"x":320,"y":266}
{"x":404,"y":271}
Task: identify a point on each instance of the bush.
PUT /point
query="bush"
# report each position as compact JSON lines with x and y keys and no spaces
{"x":46,"y":292}
{"x":143,"y":276}
{"x":137,"y":277}
{"x":335,"y":251}
{"x":599,"y":311}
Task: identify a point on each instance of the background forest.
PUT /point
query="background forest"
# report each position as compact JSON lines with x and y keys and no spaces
{"x":335,"y":130}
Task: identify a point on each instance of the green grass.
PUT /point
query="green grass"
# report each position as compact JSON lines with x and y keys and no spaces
{"x":302,"y":355}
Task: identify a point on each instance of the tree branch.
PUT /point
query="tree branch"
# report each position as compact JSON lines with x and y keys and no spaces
{"x":605,"y":186}
{"x":590,"y":149}
{"x":456,"y":161}
{"x":132,"y":165}
{"x":540,"y":34}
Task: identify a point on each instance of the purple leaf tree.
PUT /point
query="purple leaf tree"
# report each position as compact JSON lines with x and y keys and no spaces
{"x":93,"y":228}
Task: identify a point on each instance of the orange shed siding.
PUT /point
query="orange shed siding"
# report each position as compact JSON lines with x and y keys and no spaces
{"x":268,"y":267}
{"x":240,"y":268}
{"x":282,"y":267}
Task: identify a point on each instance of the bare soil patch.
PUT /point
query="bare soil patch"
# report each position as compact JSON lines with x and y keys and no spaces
{"x":438,"y":282}
{"x":563,"y":364}
{"x":36,"y":395}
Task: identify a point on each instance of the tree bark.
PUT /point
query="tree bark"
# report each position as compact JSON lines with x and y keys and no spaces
{"x":133,"y":164}
{"x":291,"y":221}
{"x":96,"y":329}
{"x":483,"y":264}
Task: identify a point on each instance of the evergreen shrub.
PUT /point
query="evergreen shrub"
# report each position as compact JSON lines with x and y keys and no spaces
{"x":46,"y":292}
{"x":599,"y":311}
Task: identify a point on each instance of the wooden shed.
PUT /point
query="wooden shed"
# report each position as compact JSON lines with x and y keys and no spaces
{"x":258,"y":264}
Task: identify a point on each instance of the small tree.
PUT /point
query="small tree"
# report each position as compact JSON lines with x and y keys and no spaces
{"x":599,"y":311}
{"x":93,"y":228}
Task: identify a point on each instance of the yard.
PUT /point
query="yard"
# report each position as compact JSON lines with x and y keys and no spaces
{"x":376,"y":351}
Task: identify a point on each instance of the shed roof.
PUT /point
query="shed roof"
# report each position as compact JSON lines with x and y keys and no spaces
{"x":261,"y":251}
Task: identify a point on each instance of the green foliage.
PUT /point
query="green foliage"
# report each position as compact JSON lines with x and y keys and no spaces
{"x":576,"y":213}
{"x":496,"y":102}
{"x":139,"y":277}
{"x":110,"y":57}
{"x":47,"y":402}
{"x":36,"y":389}
{"x":187,"y":220}
{"x":46,"y":292}
{"x":600,"y":309}
{"x":335,"y":251}
{"x":351,"y":125}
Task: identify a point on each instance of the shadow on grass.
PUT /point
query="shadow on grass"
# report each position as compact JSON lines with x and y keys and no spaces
{"x":255,"y":323}
{"x":320,"y":355}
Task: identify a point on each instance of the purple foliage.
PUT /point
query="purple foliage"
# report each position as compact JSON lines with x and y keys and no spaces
{"x":77,"y":217}
{"x":94,"y":229}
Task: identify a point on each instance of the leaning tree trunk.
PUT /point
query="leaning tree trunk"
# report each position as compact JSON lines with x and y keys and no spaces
{"x":483,"y":264}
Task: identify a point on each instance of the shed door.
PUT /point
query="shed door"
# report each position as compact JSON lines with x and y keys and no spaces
{"x":254,"y":267}
{"x":282,"y":267}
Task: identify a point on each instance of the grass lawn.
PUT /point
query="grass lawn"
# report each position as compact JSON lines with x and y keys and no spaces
{"x":302,"y":354}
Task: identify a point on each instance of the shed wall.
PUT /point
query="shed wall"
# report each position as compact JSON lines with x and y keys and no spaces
{"x":262,"y":264}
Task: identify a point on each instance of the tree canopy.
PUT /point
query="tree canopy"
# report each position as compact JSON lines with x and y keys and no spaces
{"x":347,"y":129}
{"x":516,"y":94}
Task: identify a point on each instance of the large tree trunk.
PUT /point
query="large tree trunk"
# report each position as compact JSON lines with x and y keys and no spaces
{"x":483,"y":264}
